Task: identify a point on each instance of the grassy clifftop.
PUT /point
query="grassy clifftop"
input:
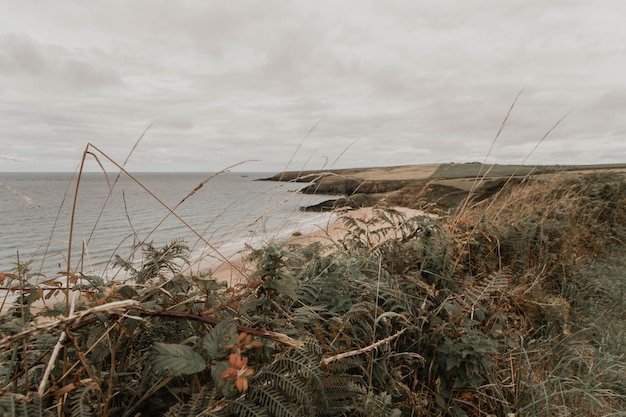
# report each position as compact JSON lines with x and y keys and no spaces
{"x":434,"y":187}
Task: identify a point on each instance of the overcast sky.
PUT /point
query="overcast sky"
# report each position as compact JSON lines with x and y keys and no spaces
{"x":308,"y":84}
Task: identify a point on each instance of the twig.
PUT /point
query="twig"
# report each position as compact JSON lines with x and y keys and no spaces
{"x":117,"y":307}
{"x":261,"y":332}
{"x":373,"y":346}
{"x":55,"y":352}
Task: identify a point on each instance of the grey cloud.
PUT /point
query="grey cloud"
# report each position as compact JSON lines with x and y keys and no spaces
{"x":175,"y":123}
{"x":20,"y":54}
{"x":227,"y":81}
{"x":28,"y":65}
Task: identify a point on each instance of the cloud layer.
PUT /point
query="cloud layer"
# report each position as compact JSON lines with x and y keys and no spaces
{"x":310,"y":84}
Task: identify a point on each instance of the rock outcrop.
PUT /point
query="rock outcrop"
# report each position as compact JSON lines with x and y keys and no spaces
{"x":430,"y":187}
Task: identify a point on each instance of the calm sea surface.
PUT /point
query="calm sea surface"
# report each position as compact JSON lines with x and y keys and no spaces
{"x":228,"y":211}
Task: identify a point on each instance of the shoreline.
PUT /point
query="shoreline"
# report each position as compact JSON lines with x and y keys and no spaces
{"x":233,"y":267}
{"x":235,"y":271}
{"x":230,"y":263}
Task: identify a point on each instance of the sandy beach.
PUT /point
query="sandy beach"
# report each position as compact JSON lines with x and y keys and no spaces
{"x":237,"y":269}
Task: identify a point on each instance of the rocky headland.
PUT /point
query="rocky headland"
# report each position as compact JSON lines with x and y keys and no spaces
{"x":434,"y":188}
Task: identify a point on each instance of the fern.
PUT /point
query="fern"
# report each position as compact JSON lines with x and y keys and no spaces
{"x":294,"y":389}
{"x":342,"y":393}
{"x":274,"y":400}
{"x":303,"y":365}
{"x":495,"y":285}
{"x":202,"y":403}
{"x":17,"y":405}
{"x":85,"y":401}
{"x":246,"y":408}
{"x":156,"y":260}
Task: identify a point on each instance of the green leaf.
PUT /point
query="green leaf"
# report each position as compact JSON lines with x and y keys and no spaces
{"x":216,"y":373}
{"x":94,"y":280}
{"x":174,"y":360}
{"x":288,"y":286}
{"x":341,"y":303}
{"x":127,"y":292}
{"x":224,"y":333}
{"x":208,"y":284}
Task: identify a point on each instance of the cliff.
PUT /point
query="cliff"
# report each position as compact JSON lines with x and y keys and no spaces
{"x":431,"y":187}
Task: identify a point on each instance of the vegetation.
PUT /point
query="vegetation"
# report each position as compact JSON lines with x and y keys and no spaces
{"x":510,"y":306}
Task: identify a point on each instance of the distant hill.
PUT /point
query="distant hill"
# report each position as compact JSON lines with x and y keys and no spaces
{"x":435,"y":187}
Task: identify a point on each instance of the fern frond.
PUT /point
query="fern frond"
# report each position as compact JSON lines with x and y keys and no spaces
{"x":298,"y":362}
{"x":363,"y":310}
{"x":13,"y":405}
{"x":342,"y":394}
{"x":350,"y":364}
{"x":494,"y":285}
{"x":85,"y":400}
{"x":293,"y":388}
{"x":342,"y":382}
{"x":313,"y":346}
{"x":274,"y":400}
{"x":245,"y":408}
{"x":308,"y":292}
{"x":157,"y":260}
{"x":202,"y":403}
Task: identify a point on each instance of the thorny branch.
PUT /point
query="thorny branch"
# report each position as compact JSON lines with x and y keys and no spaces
{"x":120,"y":308}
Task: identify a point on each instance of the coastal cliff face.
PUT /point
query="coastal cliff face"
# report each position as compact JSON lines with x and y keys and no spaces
{"x":432,"y":187}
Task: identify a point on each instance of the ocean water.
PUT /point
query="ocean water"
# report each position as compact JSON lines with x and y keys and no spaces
{"x":112,"y":216}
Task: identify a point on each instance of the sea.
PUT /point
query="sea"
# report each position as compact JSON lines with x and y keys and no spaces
{"x":218,"y":216}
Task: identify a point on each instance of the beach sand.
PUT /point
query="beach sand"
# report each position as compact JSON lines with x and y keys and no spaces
{"x":238,"y":268}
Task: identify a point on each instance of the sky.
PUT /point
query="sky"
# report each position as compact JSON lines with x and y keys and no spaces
{"x":310,"y":84}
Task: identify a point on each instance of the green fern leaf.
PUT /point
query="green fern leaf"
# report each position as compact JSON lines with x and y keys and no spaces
{"x":299,"y":363}
{"x":84,"y":400}
{"x":13,"y":405}
{"x":202,"y":403}
{"x":244,"y":408}
{"x":353,"y":364}
{"x":274,"y":400}
{"x":496,"y":284}
{"x":175,"y":360}
{"x":293,"y":388}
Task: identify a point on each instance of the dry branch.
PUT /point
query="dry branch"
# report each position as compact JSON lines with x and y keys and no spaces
{"x":118,"y":308}
{"x":373,"y":346}
{"x":257,"y":331}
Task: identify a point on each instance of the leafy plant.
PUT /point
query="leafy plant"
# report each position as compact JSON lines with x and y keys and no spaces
{"x":156,"y":261}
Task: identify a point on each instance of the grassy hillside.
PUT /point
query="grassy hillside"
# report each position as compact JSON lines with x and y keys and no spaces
{"x":510,"y":304}
{"x":432,"y":187}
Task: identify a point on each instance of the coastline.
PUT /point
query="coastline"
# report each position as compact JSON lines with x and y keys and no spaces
{"x":233,"y":267}
{"x":527,"y":264}
{"x":235,"y":270}
{"x":434,"y":188}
